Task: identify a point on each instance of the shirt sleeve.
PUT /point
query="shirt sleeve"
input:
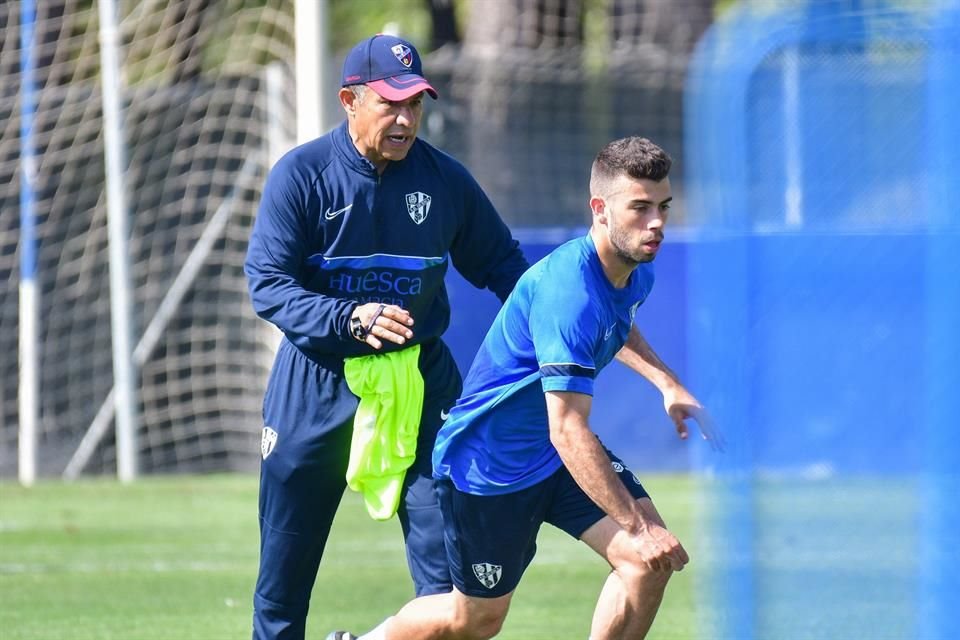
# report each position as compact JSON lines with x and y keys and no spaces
{"x":275,"y":261}
{"x":563,"y":325}
{"x":484,"y":251}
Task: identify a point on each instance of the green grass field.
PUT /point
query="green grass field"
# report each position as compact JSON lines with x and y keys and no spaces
{"x":175,"y":558}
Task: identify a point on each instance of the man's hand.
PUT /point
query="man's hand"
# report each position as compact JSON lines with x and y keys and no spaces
{"x":681,"y":406}
{"x":659,"y":549}
{"x":383,"y":322}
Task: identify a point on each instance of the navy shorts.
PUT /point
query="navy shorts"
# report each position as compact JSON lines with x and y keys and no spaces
{"x":490,"y":540}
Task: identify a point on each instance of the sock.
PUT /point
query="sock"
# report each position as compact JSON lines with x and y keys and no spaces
{"x":377,"y":634}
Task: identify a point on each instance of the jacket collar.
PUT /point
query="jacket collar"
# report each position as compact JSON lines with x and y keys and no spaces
{"x":351,"y":157}
{"x":348,"y":152}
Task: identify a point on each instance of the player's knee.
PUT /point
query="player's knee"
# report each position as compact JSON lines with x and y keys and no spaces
{"x":639,"y":577}
{"x":489,"y":626}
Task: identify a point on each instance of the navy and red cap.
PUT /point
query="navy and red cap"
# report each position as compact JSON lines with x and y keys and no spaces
{"x":387,"y":64}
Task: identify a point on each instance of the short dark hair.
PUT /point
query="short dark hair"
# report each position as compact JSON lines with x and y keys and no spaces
{"x":634,"y":156}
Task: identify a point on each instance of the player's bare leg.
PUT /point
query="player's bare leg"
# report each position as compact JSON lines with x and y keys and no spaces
{"x":447,"y":616}
{"x":632,"y":594}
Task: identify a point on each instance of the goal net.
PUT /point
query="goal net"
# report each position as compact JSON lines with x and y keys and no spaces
{"x":206,"y":102}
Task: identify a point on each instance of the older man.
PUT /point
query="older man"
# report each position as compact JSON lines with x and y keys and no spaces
{"x":347,"y":258}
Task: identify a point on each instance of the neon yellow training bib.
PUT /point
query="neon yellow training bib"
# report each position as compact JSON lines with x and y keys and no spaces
{"x":384,"y":444}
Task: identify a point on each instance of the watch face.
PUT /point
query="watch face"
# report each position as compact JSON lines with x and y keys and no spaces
{"x":356,"y":328}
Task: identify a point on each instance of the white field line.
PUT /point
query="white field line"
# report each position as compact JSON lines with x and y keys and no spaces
{"x":156,"y":566}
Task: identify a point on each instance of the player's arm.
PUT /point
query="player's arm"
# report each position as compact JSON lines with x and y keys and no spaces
{"x":588,"y":463}
{"x":484,"y":251}
{"x":640,"y":356}
{"x":678,"y":402}
{"x":275,"y":262}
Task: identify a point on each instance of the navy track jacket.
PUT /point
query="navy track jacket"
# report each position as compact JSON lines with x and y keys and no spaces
{"x":331,"y":234}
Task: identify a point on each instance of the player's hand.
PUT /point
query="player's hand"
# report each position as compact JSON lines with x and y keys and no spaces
{"x":682,"y":406}
{"x":384,"y":322}
{"x":659,"y":549}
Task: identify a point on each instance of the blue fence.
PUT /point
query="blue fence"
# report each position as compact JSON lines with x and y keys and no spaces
{"x":823,"y":314}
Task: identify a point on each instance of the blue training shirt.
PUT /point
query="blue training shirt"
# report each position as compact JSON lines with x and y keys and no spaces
{"x":563,"y":323}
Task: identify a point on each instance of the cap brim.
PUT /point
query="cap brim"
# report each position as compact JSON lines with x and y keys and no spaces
{"x":402,"y":87}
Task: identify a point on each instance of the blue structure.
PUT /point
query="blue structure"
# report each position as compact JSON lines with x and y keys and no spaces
{"x":823,"y":316}
{"x":940,"y":515}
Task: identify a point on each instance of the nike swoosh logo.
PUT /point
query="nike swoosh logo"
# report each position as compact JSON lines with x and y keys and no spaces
{"x":444,"y":415}
{"x":330,"y":215}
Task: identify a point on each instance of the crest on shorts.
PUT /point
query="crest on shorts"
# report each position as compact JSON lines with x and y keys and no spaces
{"x":418,"y":206}
{"x":403,"y":54}
{"x":268,"y":440}
{"x":488,"y":574}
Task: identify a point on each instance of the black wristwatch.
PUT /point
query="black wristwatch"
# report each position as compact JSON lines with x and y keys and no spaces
{"x":360,"y":332}
{"x":357,"y":330}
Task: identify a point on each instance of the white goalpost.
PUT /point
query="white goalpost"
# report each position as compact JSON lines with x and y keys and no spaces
{"x":313,"y":76}
{"x":124,"y":372}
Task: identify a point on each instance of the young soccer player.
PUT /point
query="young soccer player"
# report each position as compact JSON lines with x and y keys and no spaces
{"x":518,"y":449}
